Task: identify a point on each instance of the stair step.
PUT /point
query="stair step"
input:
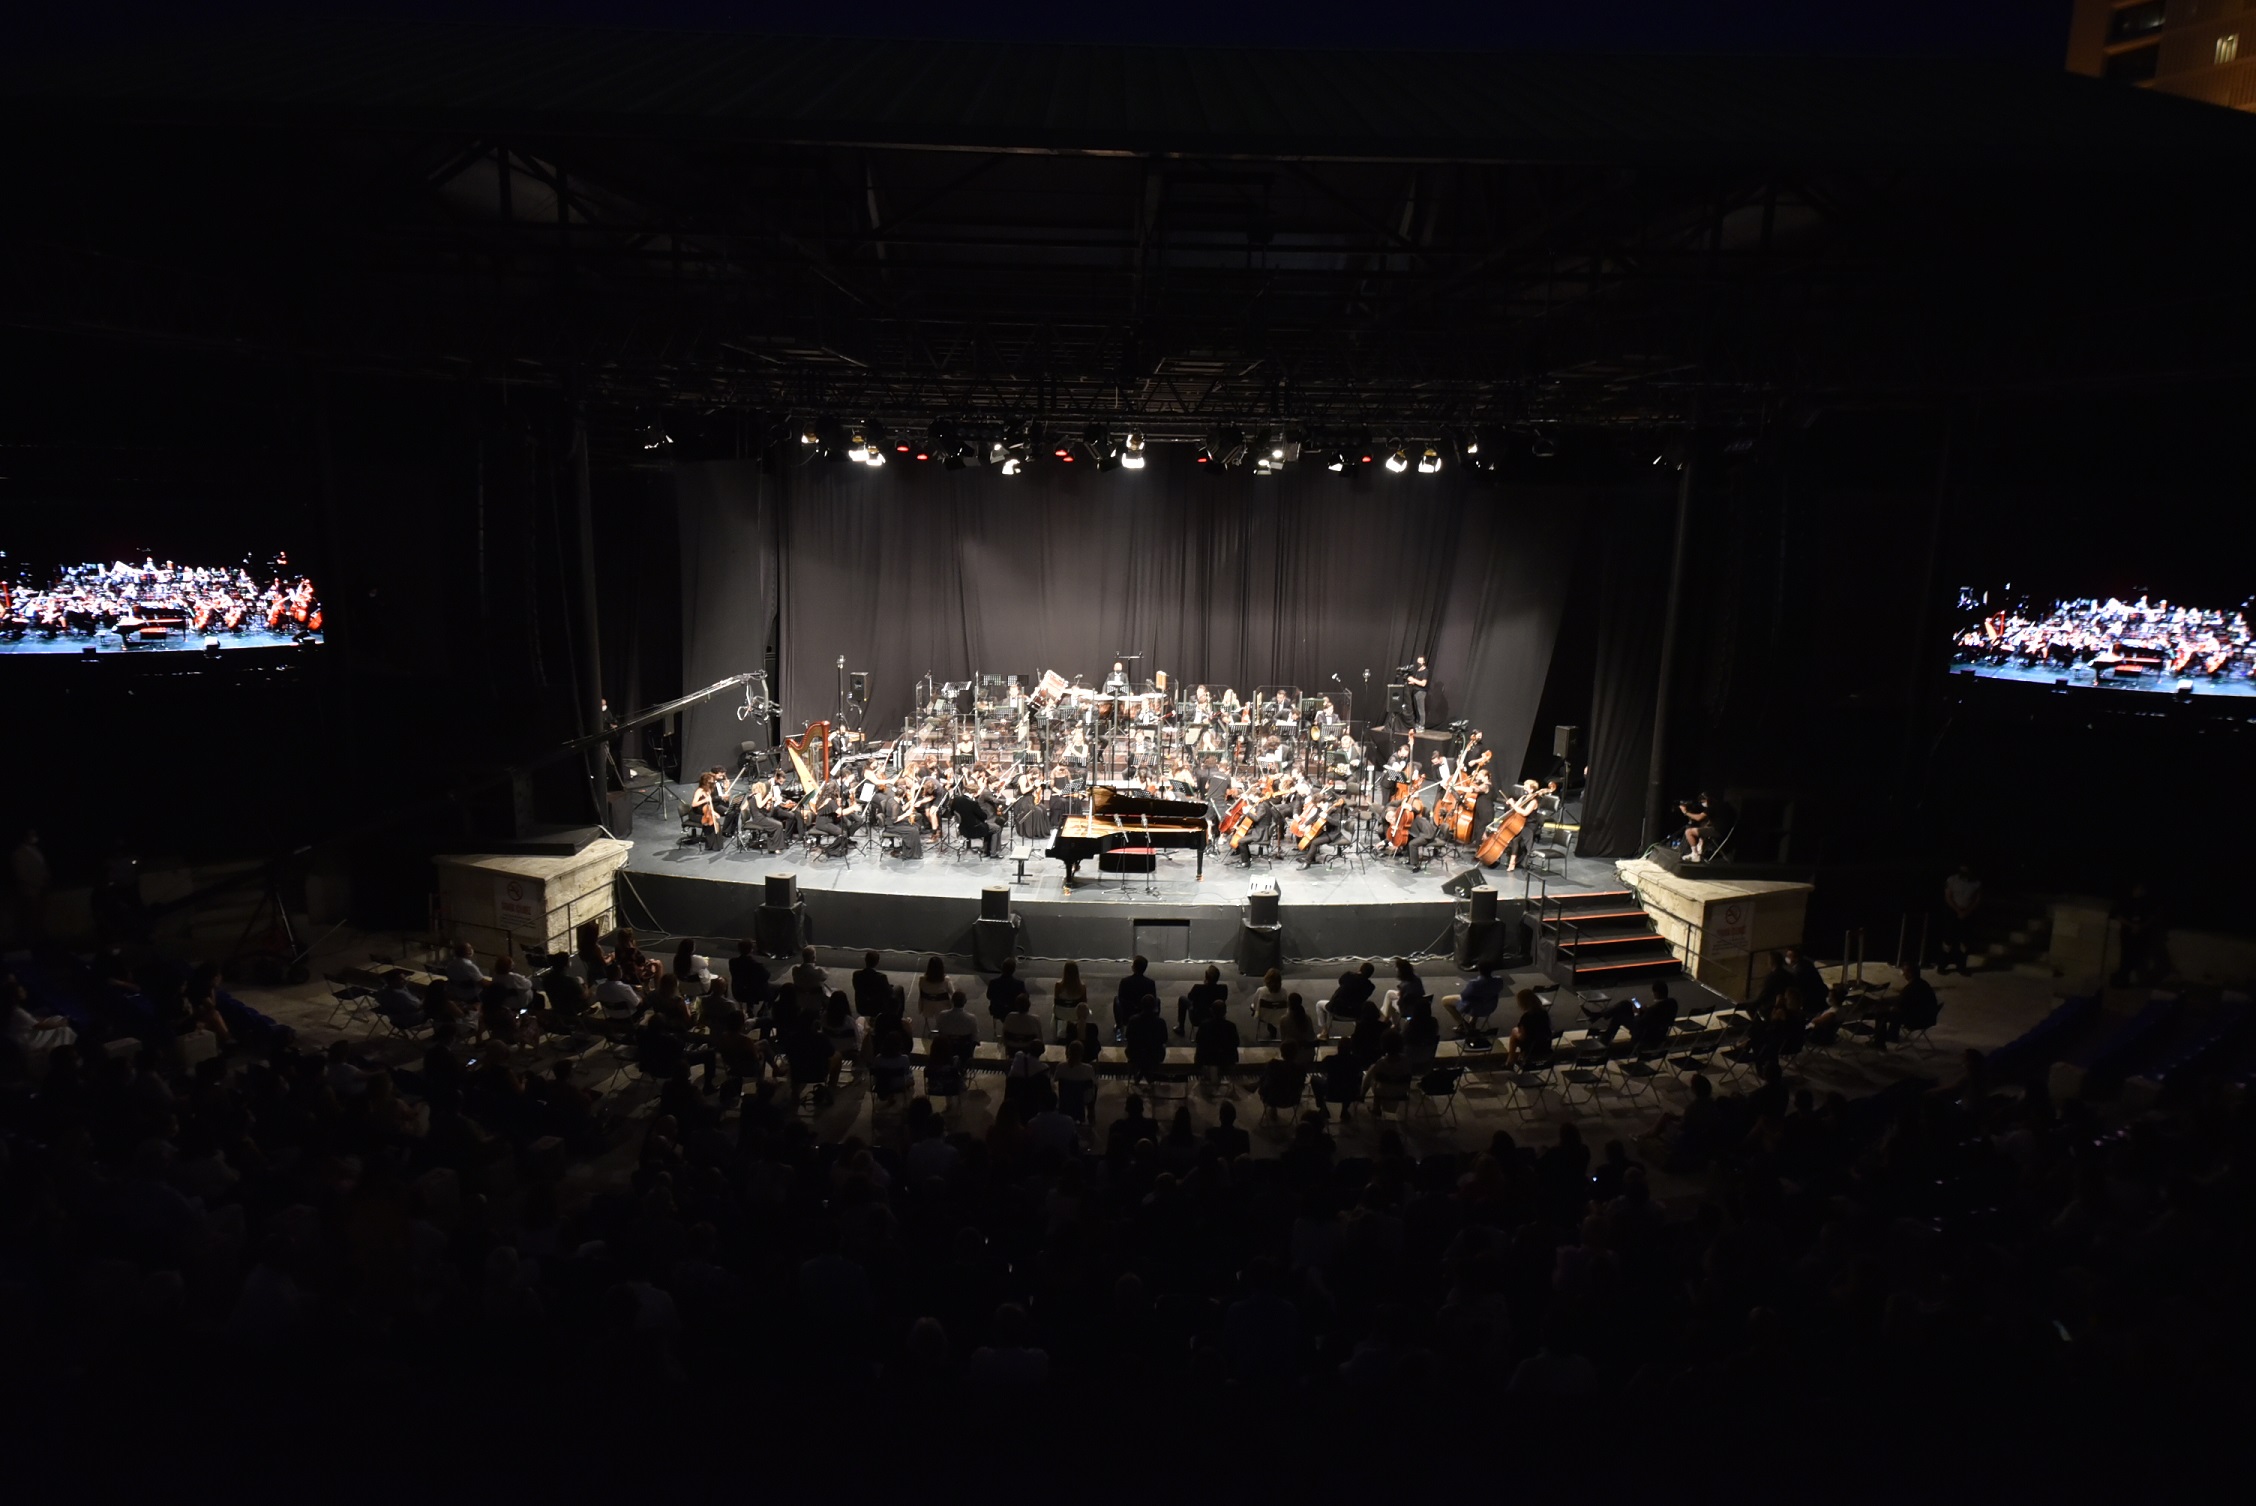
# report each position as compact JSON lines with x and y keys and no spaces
{"x":1632,"y":938}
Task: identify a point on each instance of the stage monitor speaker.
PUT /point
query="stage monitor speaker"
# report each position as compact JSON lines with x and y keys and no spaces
{"x":1260,"y":948}
{"x":783,"y":890}
{"x":1669,"y":858}
{"x":1483,"y":908}
{"x":1479,"y":943}
{"x":779,"y":931}
{"x":994,"y":902}
{"x":1562,"y":742}
{"x":636,"y":775}
{"x":618,"y":812}
{"x":1261,"y":904}
{"x":992,"y":941}
{"x":1464,"y":883}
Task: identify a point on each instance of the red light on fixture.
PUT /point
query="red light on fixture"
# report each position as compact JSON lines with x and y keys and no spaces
{"x":1202,"y":460}
{"x":902,"y":448}
{"x":1366,"y":460}
{"x":1068,"y":459}
{"x":921,"y":455}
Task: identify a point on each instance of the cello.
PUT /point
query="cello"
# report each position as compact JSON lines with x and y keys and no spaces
{"x":1404,"y":814}
{"x":1239,"y":822}
{"x":1510,"y":822}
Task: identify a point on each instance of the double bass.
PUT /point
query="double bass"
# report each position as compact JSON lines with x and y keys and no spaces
{"x":1470,"y":785}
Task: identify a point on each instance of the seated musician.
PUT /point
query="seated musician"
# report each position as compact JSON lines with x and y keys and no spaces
{"x":828,"y":813}
{"x":1202,"y":702}
{"x":975,"y":817}
{"x":1230,"y":702}
{"x":1116,"y":683}
{"x":702,"y":813}
{"x":1311,"y":816}
{"x":756,"y":813}
{"x":1711,"y":821}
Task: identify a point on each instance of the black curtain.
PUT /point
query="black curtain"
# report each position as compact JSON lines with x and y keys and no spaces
{"x":1633,"y":598}
{"x":1227,"y":579}
{"x":726,"y":518}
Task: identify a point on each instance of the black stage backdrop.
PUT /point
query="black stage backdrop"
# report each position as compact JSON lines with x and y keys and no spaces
{"x":728,"y":599}
{"x":1227,"y":579}
{"x":1633,"y":598}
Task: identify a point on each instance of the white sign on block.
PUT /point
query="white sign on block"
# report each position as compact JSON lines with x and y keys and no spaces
{"x":1734,"y":919}
{"x":516,"y":909}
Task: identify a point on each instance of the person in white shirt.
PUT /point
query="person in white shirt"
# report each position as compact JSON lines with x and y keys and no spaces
{"x":615,"y":996}
{"x":465,"y":979}
{"x":31,"y":1034}
{"x":958,"y":1026}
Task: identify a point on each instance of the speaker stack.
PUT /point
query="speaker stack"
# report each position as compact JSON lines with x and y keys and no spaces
{"x":1480,"y":934}
{"x":1261,"y":935}
{"x":995,"y":935}
{"x":779,"y":926}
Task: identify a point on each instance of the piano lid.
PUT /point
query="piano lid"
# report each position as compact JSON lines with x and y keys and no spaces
{"x":1128,"y":805}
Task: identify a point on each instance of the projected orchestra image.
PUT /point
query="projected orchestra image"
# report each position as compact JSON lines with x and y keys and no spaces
{"x":2153,"y":645}
{"x":1123,"y":770}
{"x":150,"y":606}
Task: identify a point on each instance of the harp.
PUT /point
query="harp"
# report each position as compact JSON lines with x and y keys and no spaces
{"x":815,"y":744}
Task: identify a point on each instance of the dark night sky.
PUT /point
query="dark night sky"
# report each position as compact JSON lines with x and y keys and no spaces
{"x":2027,"y":31}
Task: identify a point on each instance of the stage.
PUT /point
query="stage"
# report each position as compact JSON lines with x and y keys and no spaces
{"x":1372,"y":908}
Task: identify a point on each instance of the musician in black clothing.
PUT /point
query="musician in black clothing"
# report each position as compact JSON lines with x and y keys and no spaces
{"x":975,"y":820}
{"x":1711,"y":821}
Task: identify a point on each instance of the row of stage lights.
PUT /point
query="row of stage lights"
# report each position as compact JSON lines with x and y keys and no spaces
{"x":1224,"y":449}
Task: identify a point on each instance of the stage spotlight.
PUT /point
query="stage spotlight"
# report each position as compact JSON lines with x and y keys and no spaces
{"x":1399,"y":461}
{"x":654,"y":437}
{"x":1012,"y":465}
{"x":1264,"y":466}
{"x":1132,"y":452}
{"x":952,"y":461}
{"x":1429,"y":462}
{"x":1543,"y":446}
{"x":1108,"y":458}
{"x":1337,"y":462}
{"x":810,"y":432}
{"x":875,"y":455}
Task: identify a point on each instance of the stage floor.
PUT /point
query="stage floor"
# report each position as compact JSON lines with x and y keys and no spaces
{"x":1347,"y":908}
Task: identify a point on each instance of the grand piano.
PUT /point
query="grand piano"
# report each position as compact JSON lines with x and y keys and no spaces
{"x":1124,"y":827}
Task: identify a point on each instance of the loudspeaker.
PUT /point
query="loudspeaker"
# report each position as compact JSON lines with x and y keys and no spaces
{"x":634,"y":774}
{"x":783,"y":890}
{"x":994,"y":902}
{"x":1483,"y":905}
{"x":1261,"y":905}
{"x":1670,"y":858}
{"x":992,"y":941}
{"x":618,"y":811}
{"x":1260,"y":948}
{"x":857,"y":687}
{"x":1465,"y":883}
{"x":1562,"y":742}
{"x":1398,"y":702}
{"x":780,"y":931}
{"x":1479,"y":942}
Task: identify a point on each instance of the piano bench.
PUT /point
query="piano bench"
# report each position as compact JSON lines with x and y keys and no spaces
{"x":1129,"y":860}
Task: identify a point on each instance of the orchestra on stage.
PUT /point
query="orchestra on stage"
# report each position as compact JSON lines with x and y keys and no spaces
{"x":1125,"y":771}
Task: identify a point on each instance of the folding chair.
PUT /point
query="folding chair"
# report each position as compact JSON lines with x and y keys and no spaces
{"x":351,"y":1003}
{"x":1527,"y":1085}
{"x":1586,"y":1070}
{"x":1640,"y":1067}
{"x":1437,"y":1093}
